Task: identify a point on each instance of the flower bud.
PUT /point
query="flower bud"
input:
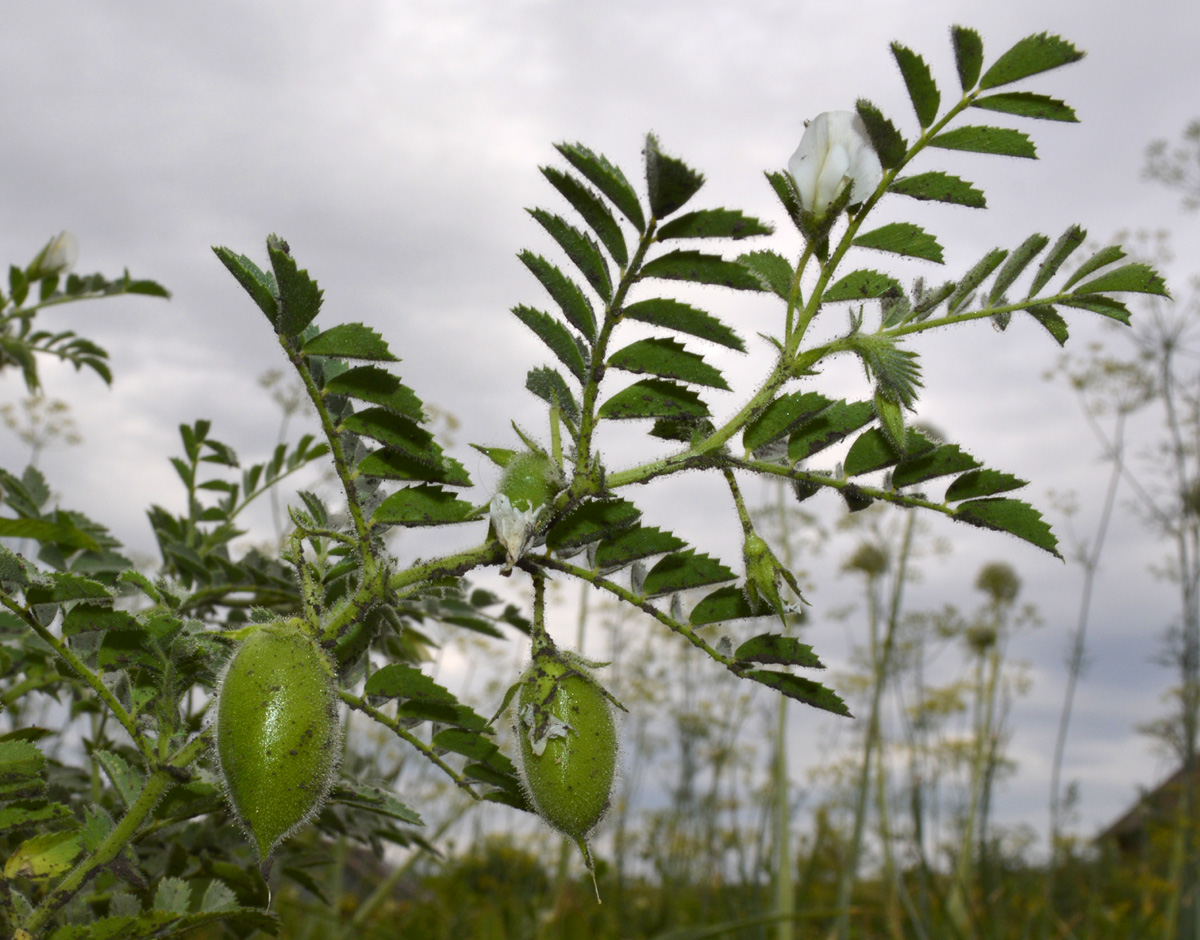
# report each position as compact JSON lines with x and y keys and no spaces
{"x":835,"y":153}
{"x":58,"y":255}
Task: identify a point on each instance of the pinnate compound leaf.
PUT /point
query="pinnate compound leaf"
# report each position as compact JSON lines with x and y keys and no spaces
{"x":421,"y":505}
{"x":896,"y":371}
{"x":592,"y":522}
{"x":982,"y":482}
{"x":1012,"y":516}
{"x":1030,"y":56}
{"x":349,"y":341}
{"x":902,"y":238}
{"x":1134,"y":278}
{"x":654,"y":398}
{"x":607,"y":178}
{"x":829,"y":426}
{"x":1027,"y":104}
{"x":669,"y":181}
{"x":583,"y":252}
{"x":919,"y":80}
{"x":565,"y":292}
{"x":714,"y":223}
{"x":684,"y":318}
{"x":929,"y":464}
{"x":668,"y":359}
{"x":863,"y":284}
{"x":772,"y":268}
{"x":549,"y":385}
{"x":700,"y":268}
{"x":781,"y":416}
{"x":299,"y":296}
{"x":633,"y":544}
{"x":800,"y":689}
{"x":937,"y":186}
{"x":683,"y":570}
{"x":1071,"y":239}
{"x":255,"y":282}
{"x":726,"y":603}
{"x":556,"y":336}
{"x":982,"y":139}
{"x":593,"y":210}
{"x":1017,"y":262}
{"x":777,"y":649}
{"x":888,"y":142}
{"x":379,"y":387}
{"x":968,"y":55}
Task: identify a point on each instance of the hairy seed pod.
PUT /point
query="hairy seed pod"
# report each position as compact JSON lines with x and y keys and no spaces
{"x":277,"y":731}
{"x":568,"y":744}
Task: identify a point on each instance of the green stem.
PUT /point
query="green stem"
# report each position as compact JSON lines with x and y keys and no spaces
{"x":67,"y":655}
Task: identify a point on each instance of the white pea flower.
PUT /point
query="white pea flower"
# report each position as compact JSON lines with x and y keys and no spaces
{"x":835,"y":152}
{"x":514,"y":528}
{"x":58,"y":256}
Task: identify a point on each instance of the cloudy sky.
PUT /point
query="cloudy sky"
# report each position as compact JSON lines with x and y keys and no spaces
{"x":396,"y":145}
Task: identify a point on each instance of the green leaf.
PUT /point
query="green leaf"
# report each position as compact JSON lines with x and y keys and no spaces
{"x":565,"y":292}
{"x":940,"y":187}
{"x":654,"y":398}
{"x":895,"y":370}
{"x":683,"y":318}
{"x":863,"y":284}
{"x":475,"y":746}
{"x":29,"y":812}
{"x":593,"y":210}
{"x":1031,"y":55}
{"x":1012,"y":516}
{"x":919,"y":80}
{"x":1027,"y":104}
{"x":125,"y":780}
{"x":785,"y":191}
{"x":404,"y":682}
{"x":699,"y":268}
{"x":556,"y":336}
{"x":390,"y":464}
{"x":780,"y":416}
{"x":374,"y":385}
{"x":349,"y":341}
{"x":774,"y":270}
{"x":591,"y":522}
{"x":607,"y":178}
{"x":889,"y":144}
{"x":22,"y":770}
{"x":891,"y":421}
{"x":800,"y":689}
{"x":828,"y":427}
{"x":669,"y":181}
{"x":973,"y":278}
{"x":902,"y":238}
{"x":45,"y":856}
{"x":421,"y":505}
{"x":981,"y":139}
{"x":930,"y":464}
{"x":375,"y":800}
{"x":299,"y":296}
{"x":725,"y":603}
{"x":395,"y":431}
{"x":1071,"y":239}
{"x":1048,"y":317}
{"x":1098,"y":303}
{"x":1102,"y":258}
{"x":51,"y":533}
{"x":968,"y":55}
{"x":774,"y":648}
{"x":548,"y":385}
{"x":1135,"y":278}
{"x":173,"y":895}
{"x":713,"y":223}
{"x":1017,"y":262}
{"x":83,"y":618}
{"x":632,"y":544}
{"x":873,"y":450}
{"x":583,"y":252}
{"x":259,"y":285}
{"x":683,"y":570}
{"x":983,"y":482}
{"x":66,"y":586}
{"x":668,"y":359}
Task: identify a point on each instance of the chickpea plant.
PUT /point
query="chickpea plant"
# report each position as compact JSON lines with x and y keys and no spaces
{"x":139,"y":833}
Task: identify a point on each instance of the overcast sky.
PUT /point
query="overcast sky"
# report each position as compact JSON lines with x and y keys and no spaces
{"x":396,"y":145}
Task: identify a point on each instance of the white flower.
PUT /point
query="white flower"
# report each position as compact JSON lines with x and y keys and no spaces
{"x":58,"y":256}
{"x":514,"y":527}
{"x":835,"y":152}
